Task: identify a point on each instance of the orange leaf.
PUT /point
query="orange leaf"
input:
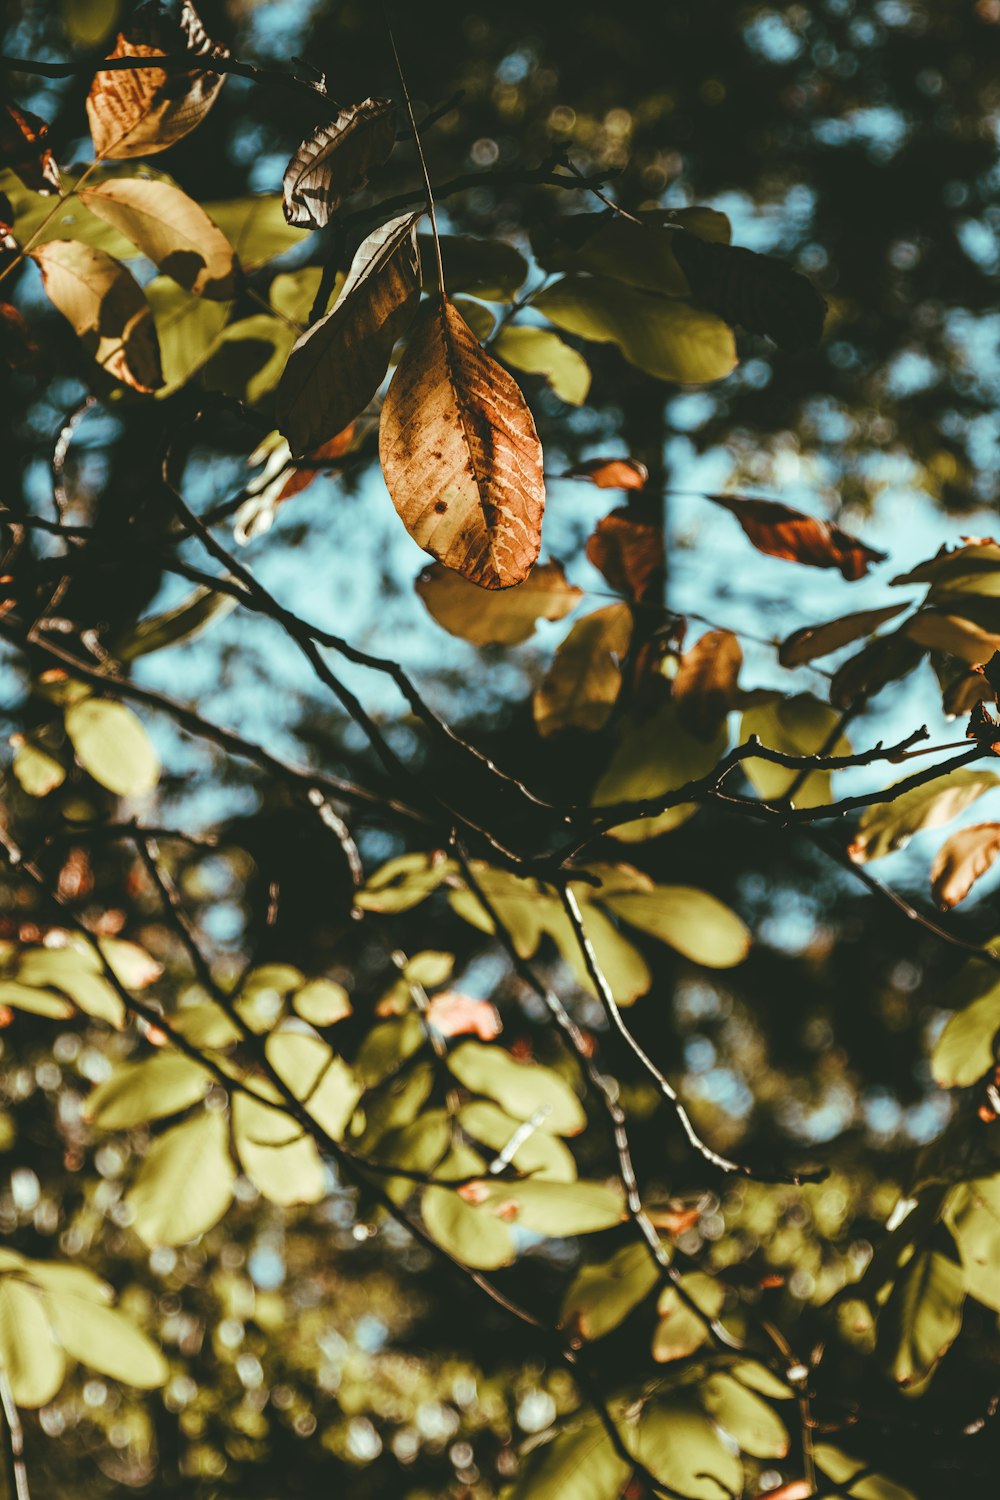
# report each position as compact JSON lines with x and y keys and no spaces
{"x":781,"y":531}
{"x":453,"y":1014}
{"x":961,"y":860}
{"x":23,"y":149}
{"x":628,"y":550}
{"x":460,"y":454}
{"x":145,"y":110}
{"x":611,"y":473}
{"x":306,"y":471}
{"x":706,"y":682}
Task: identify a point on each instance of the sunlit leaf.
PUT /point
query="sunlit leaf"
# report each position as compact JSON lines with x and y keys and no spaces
{"x":654,"y":756}
{"x":693,"y":922}
{"x":781,"y":531}
{"x":680,"y":1330}
{"x":104,"y":1339}
{"x":137,"y":1092}
{"x":280,"y":1160}
{"x":112,"y":746}
{"x":501,"y":617}
{"x":664,"y":337}
{"x":336,"y":367}
{"x":961,"y":860}
{"x":523,"y":1089}
{"x":753,"y":1424}
{"x":453,"y":1014}
{"x":472,"y":1235}
{"x":538,"y":1153}
{"x":603,"y":1293}
{"x":890,"y":825}
{"x":550,"y":1208}
{"x":460,"y":455}
{"x":582,"y":685}
{"x":682,"y":1447}
{"x":958,"y":636}
{"x":248,"y":357}
{"x":923,"y":1315}
{"x":107,"y":309}
{"x":29,"y":1355}
{"x":611,"y":473}
{"x":539,"y":351}
{"x":78,"y":972}
{"x":321,"y":1081}
{"x":403,"y":882}
{"x":580,"y":1463}
{"x":185,"y":1184}
{"x":796,"y":726}
{"x":322,"y":1002}
{"x":337,"y":160}
{"x":37,"y":772}
{"x":170,"y":229}
{"x":842,"y":1468}
{"x":964,"y":1051}
{"x":255,"y":227}
{"x":388,"y":1046}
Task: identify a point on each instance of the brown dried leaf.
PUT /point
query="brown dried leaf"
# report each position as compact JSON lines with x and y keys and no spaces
{"x":582,"y":685}
{"x":18,"y":349}
{"x":781,"y":531}
{"x":142,"y":111}
{"x":953,"y":634}
{"x":315,"y":463}
{"x":961,"y":860}
{"x":964,"y":692}
{"x":335,"y":161}
{"x":336,"y":367}
{"x":611,"y":473}
{"x":172,"y":230}
{"x":106,"y":308}
{"x":7,"y":240}
{"x":706,"y":682}
{"x":496,"y":619}
{"x":880,"y":662}
{"x":460,"y":454}
{"x":628,"y":550}
{"x":23,"y":149}
{"x":813,"y":641}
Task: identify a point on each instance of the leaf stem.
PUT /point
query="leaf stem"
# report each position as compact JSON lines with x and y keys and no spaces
{"x":420,"y":150}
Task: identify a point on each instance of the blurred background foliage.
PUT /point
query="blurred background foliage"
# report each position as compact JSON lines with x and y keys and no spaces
{"x":317,"y":1347}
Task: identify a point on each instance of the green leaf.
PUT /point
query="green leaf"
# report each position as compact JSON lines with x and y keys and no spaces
{"x":248,"y":357}
{"x":523,"y":1089}
{"x":796,"y":726}
{"x":472,"y":1235}
{"x":37,"y":772}
{"x":841,"y":1468}
{"x":78,"y":972}
{"x":580,"y":1463}
{"x":539,"y":351}
{"x":321,"y":1081}
{"x":923,"y":1315}
{"x":972,"y":1213}
{"x":65,"y":220}
{"x":680,"y":1445}
{"x":255,"y":227}
{"x":749,"y":1421}
{"x":539,"y":1155}
{"x":420,"y":1146}
{"x":404,"y":882}
{"x":172,"y":626}
{"x":638,"y":255}
{"x":205,"y":1026}
{"x":602,"y":1294}
{"x":39,"y":1002}
{"x":292,"y":293}
{"x":653,"y":756}
{"x":105,"y":1339}
{"x":282,"y":1162}
{"x":669,"y":339}
{"x":321,"y":1002}
{"x":187,"y":328}
{"x":693,"y":922}
{"x":185,"y":1184}
{"x":556,"y":1209}
{"x":582,"y":685}
{"x":138,"y":1092}
{"x":890,"y":825}
{"x":964,"y":1050}
{"x":112,"y":746}
{"x":489,"y":269}
{"x":29,"y":1355}
{"x":478,"y":316}
{"x":394,"y":1103}
{"x":387,"y":1047}
{"x":681,"y":1331}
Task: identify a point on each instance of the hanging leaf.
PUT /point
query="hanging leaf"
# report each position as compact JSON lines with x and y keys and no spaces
{"x":666,"y":338}
{"x":923,"y":1315}
{"x":880,"y":662}
{"x":813,"y":641}
{"x":112,"y":746}
{"x":185,"y":1184}
{"x":693,"y":922}
{"x":489,"y":269}
{"x":248,"y":357}
{"x":654,"y":756}
{"x":521,"y":1088}
{"x":954,"y":634}
{"x":680,"y":1330}
{"x":460,"y":455}
{"x":500,"y":618}
{"x":781,"y":531}
{"x":29,"y":1355}
{"x":138,"y":112}
{"x":335,"y":161}
{"x":138,"y":1092}
{"x":106,"y":307}
{"x":23,"y":149}
{"x":255,"y":227}
{"x":538,"y":1153}
{"x":611,"y":473}
{"x":582,"y":685}
{"x":796,"y":726}
{"x":759,"y":292}
{"x":539,"y":351}
{"x":973,"y":567}
{"x":602,"y":1294}
{"x":749,"y":1421}
{"x":628,"y":549}
{"x":890,"y":825}
{"x":972,"y":1213}
{"x":337,"y":366}
{"x":187,"y":328}
{"x":172,"y":626}
{"x":707,"y":681}
{"x":170,"y":229}
{"x":961,"y":860}
{"x":104,"y":1339}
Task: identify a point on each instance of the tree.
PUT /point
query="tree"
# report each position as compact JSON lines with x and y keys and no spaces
{"x":349,"y":1061}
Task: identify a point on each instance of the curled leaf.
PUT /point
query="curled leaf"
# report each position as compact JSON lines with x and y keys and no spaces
{"x":961,"y":860}
{"x":136,"y":112}
{"x":503,"y":618}
{"x":335,"y":161}
{"x":889,"y":825}
{"x":611,"y":473}
{"x":106,"y":307}
{"x":628,"y":549}
{"x":460,"y":454}
{"x":23,"y":148}
{"x":337,"y":366}
{"x":781,"y":531}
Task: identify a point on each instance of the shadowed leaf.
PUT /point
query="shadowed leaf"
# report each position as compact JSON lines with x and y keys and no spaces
{"x":106,"y":307}
{"x":23,"y":148}
{"x":781,"y":531}
{"x":706,"y":682}
{"x":172,"y":230}
{"x":500,"y":618}
{"x":582,"y":685}
{"x":335,"y":161}
{"x":961,"y":860}
{"x":628,"y":550}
